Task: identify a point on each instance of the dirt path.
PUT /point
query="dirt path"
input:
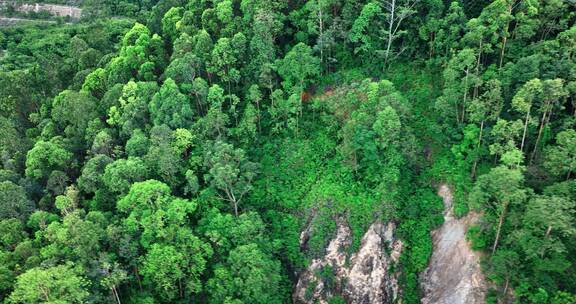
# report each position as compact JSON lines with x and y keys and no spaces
{"x":453,"y":275}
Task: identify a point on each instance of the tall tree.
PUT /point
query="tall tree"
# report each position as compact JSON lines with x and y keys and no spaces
{"x":485,"y":108}
{"x":495,"y":191}
{"x":248,"y":275}
{"x":298,"y":67}
{"x":561,"y":158}
{"x":14,"y":203}
{"x":45,"y":157}
{"x":169,"y":106}
{"x":553,"y":92}
{"x":459,"y":77}
{"x":523,"y":102}
{"x":57,"y":284}
{"x":230,"y":172}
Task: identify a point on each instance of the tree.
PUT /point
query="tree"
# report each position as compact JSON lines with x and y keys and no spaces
{"x":170,"y":22}
{"x":176,"y":270}
{"x":504,"y":265}
{"x":76,"y":238}
{"x":183,"y":70}
{"x":14,"y":203}
{"x":318,"y":23}
{"x":229,"y":171}
{"x":485,"y":108}
{"x":506,"y":135}
{"x":444,"y":34}
{"x":496,"y":190}
{"x":389,"y":15}
{"x":359,"y":32}
{"x":215,"y":121}
{"x":561,"y":159}
{"x":132,"y":113}
{"x":226,"y":232}
{"x":57,"y":284}
{"x":387,"y":127}
{"x":11,"y":233}
{"x":95,"y":83}
{"x":497,"y":17}
{"x":103,"y":144}
{"x":459,"y":77}
{"x":175,"y":258}
{"x":138,"y":144}
{"x":153,"y":212}
{"x":395,"y":12}
{"x":523,"y":102}
{"x":223,"y":62}
{"x":163,"y":267}
{"x":68,"y":202}
{"x":91,"y":178}
{"x":553,"y":92}
{"x":114,"y":275}
{"x":171,"y":107}
{"x":45,"y":157}
{"x":285,"y":111}
{"x":255,"y":96}
{"x":57,"y":182}
{"x":203,"y":45}
{"x":162,"y":159}
{"x":298,"y":67}
{"x":248,"y":275}
{"x":119,"y":175}
{"x":246,"y":129}
{"x":262,"y":49}
{"x":549,"y":219}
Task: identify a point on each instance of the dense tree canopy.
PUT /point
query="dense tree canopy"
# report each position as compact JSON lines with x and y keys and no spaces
{"x":171,"y":151}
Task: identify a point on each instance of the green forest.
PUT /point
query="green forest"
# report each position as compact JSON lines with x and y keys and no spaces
{"x":176,"y":151}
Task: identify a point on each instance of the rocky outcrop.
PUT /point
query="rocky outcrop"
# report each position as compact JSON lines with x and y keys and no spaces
{"x":53,"y":9}
{"x":453,"y":275}
{"x":364,"y":277}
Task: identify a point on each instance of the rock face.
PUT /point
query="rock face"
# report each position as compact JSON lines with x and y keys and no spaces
{"x":453,"y":275}
{"x":56,"y":10}
{"x":363,"y":278}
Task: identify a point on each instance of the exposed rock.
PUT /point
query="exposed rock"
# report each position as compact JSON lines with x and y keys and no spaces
{"x":362,"y":278}
{"x":53,"y":9}
{"x":453,"y":275}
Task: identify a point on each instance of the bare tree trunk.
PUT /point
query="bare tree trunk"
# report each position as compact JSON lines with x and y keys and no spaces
{"x":506,"y":286}
{"x":525,"y":130}
{"x":505,"y":38}
{"x":465,"y":93}
{"x":477,"y":149}
{"x":233,"y":201}
{"x":390,"y":33}
{"x":502,"y":51}
{"x":46,"y":294}
{"x":546,"y":236}
{"x":138,"y":277}
{"x":321,"y":28}
{"x":500,"y":222}
{"x":542,"y":124}
{"x":181,"y":288}
{"x":258,"y":116}
{"x":115,"y":293}
{"x":478,"y":66}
